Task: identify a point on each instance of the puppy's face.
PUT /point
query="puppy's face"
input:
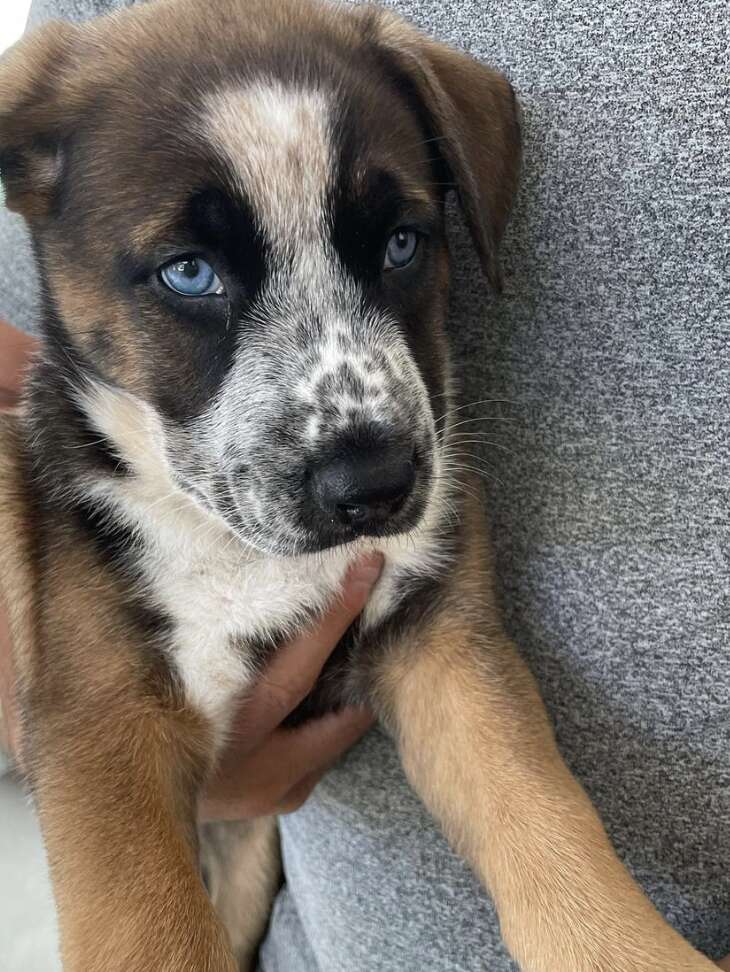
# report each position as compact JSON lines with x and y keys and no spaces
{"x":242,"y":235}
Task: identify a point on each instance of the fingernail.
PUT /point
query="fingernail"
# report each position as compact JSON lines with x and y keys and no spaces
{"x":364,"y":573}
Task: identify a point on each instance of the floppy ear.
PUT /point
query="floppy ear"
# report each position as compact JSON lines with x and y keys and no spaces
{"x":37,"y":104}
{"x":474,"y":117}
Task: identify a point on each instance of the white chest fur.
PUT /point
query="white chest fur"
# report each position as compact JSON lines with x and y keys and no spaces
{"x":220,"y":595}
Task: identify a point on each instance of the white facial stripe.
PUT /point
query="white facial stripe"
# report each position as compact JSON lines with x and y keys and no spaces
{"x":276,"y":139}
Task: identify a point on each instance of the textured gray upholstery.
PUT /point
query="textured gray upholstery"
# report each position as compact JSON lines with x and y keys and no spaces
{"x":611,"y":510}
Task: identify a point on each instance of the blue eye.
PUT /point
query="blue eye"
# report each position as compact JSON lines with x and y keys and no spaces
{"x":191,"y":277}
{"x":401,"y":249}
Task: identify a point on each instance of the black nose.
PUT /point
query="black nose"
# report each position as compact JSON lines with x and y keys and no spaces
{"x":364,"y":486}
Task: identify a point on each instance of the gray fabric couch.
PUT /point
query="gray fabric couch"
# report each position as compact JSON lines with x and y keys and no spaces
{"x":609,"y":489}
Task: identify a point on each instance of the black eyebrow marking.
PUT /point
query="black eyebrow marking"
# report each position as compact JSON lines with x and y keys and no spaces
{"x":212,"y":223}
{"x":364,"y":215}
{"x":227,"y":226}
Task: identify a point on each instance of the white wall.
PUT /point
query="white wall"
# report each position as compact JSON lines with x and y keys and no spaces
{"x":13,"y":14}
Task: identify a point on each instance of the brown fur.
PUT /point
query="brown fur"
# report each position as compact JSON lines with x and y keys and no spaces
{"x":114,"y":756}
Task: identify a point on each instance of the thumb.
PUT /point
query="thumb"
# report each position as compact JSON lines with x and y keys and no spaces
{"x":356,"y":589}
{"x":294,"y":669}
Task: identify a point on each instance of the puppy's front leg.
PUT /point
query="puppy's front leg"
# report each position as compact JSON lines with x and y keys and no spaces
{"x":477,"y":746}
{"x":115,"y":761}
{"x":115,"y":804}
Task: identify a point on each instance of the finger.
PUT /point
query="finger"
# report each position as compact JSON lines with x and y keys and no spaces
{"x":260,"y":783}
{"x":299,"y":794}
{"x":16,"y":349}
{"x":294,"y":669}
{"x":317,"y":744}
{"x":725,"y":963}
{"x":8,"y":400}
{"x":287,"y":755}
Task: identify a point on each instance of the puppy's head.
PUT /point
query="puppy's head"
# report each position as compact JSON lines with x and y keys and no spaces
{"x":238,"y":213}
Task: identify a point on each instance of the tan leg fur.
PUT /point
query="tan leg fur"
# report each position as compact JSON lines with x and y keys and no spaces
{"x":481,"y":753}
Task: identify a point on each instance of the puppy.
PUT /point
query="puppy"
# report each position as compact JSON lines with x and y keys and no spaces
{"x":238,"y":213}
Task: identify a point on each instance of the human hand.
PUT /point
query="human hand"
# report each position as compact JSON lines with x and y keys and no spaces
{"x":266,"y":769}
{"x":15,"y":354}
{"x":724,"y":963}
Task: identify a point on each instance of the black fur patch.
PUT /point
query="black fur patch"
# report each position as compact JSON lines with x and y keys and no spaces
{"x":114,"y":542}
{"x":67,"y":442}
{"x":225,"y":226}
{"x":200,"y":334}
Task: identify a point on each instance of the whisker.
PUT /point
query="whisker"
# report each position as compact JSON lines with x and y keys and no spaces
{"x":89,"y":445}
{"x":480,"y":401}
{"x":427,"y":141}
{"x":486,"y":442}
{"x":450,"y":469}
{"x":480,"y":418}
{"x":477,"y":471}
{"x":465,"y":490}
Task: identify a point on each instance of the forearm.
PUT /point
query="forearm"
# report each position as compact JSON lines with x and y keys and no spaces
{"x":491,"y":774}
{"x":116,"y":810}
